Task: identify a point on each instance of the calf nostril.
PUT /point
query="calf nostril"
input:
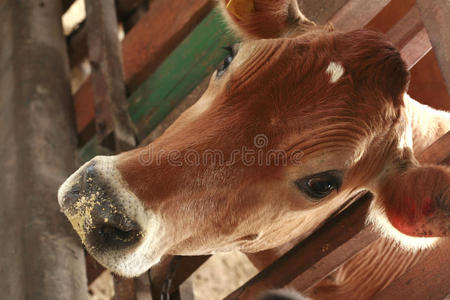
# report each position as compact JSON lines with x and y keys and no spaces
{"x":112,"y":233}
{"x":116,"y":232}
{"x":74,"y":192}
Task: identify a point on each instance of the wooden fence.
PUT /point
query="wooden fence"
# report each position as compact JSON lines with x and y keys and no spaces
{"x":167,"y":56}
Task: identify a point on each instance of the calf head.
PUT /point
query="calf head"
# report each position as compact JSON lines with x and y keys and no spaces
{"x":289,"y":128}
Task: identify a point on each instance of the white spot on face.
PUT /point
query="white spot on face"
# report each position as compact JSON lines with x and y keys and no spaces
{"x":335,"y":70}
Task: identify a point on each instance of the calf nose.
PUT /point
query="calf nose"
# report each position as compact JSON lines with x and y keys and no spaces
{"x":113,"y":230}
{"x":93,"y":208}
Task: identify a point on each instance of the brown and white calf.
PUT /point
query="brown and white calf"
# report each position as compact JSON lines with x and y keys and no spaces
{"x":298,"y":119}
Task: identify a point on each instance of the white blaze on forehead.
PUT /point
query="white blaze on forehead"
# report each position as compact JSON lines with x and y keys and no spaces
{"x":335,"y":70}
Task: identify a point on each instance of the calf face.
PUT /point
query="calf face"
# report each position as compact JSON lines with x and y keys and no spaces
{"x":288,"y":129}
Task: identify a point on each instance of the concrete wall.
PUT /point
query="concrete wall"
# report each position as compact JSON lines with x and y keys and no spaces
{"x":40,"y":257}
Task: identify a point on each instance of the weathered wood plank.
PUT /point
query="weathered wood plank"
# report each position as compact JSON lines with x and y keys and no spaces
{"x":124,"y":288}
{"x":390,"y":15}
{"x":77,"y":45}
{"x":111,"y":108}
{"x":428,"y":279}
{"x":416,"y":48}
{"x":320,"y":11}
{"x":357,"y":13}
{"x":175,"y":269}
{"x":333,"y":260}
{"x":93,"y":268}
{"x":438,"y":152}
{"x":403,"y":30}
{"x":408,"y":34}
{"x":436,"y":17}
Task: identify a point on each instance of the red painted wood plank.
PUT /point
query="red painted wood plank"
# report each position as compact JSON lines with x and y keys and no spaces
{"x":84,"y":106}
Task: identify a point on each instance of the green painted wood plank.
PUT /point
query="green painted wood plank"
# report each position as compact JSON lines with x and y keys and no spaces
{"x":195,"y":58}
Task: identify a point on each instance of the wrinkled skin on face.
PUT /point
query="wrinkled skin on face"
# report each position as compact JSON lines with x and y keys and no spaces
{"x":289,"y":129}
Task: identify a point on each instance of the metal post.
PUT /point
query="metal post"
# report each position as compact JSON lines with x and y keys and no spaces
{"x":40,"y":257}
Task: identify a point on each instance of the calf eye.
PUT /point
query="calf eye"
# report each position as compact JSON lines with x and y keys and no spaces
{"x":320,"y":185}
{"x":226,"y":62}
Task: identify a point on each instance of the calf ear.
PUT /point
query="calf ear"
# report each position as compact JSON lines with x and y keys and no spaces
{"x":375,"y":65}
{"x":256,"y":19}
{"x":417,"y":202}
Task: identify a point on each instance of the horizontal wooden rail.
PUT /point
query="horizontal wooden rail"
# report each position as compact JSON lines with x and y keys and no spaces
{"x":331,"y":235}
{"x":356,"y":14}
{"x":427,"y":83}
{"x":390,"y":15}
{"x":438,"y":152}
